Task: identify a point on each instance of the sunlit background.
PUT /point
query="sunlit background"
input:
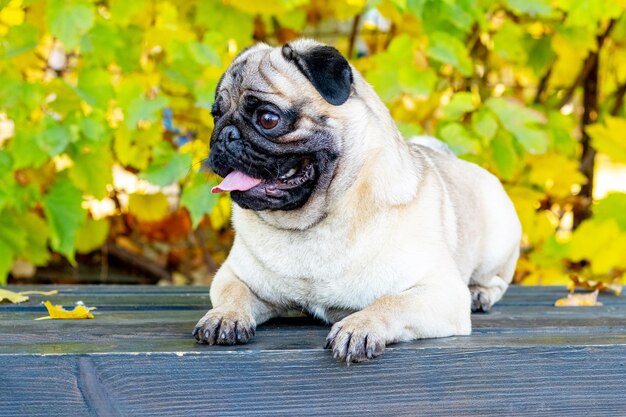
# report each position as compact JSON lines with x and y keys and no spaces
{"x":105,"y":121}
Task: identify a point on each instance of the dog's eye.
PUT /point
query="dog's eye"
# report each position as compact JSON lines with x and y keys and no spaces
{"x":268,"y":120}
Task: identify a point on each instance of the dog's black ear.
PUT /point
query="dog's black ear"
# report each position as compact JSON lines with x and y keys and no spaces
{"x":326,"y":69}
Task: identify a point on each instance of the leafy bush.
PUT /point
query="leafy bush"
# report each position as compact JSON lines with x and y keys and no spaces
{"x":91,"y":92}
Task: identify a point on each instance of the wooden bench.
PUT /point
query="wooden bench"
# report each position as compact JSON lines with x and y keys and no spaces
{"x":137,"y":357}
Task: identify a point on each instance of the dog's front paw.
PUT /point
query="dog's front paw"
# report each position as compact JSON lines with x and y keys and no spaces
{"x":224,"y":327}
{"x":356,"y":338}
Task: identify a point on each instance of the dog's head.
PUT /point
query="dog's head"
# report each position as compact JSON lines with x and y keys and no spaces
{"x":290,"y":123}
{"x":276,"y":135}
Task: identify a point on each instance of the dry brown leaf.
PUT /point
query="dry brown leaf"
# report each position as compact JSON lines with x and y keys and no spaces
{"x":579,"y":282}
{"x":58,"y":312}
{"x":20,"y":297}
{"x":579,"y":300}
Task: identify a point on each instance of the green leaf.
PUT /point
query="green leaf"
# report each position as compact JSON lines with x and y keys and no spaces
{"x":62,"y":206}
{"x":410,"y":129}
{"x":534,"y":140}
{"x":142,"y":109}
{"x":19,"y":40}
{"x":91,"y":235}
{"x":530,"y":7}
{"x":37,"y":235}
{"x":417,"y":82}
{"x":449,"y":50}
{"x":203,"y":54}
{"x":6,"y":261}
{"x":613,"y":206}
{"x":460,"y":104}
{"x":94,"y":86}
{"x":416,"y":6}
{"x":167,"y":170}
{"x":54,"y":138}
{"x":389,"y":81}
{"x":11,"y":232}
{"x":7,"y":181}
{"x":560,"y":128}
{"x":522,"y":122}
{"x":68,"y":20}
{"x":504,"y":155}
{"x":94,"y":129}
{"x":204,"y":91}
{"x":24,"y":149}
{"x":540,"y":55}
{"x":589,"y":12}
{"x":219,"y":20}
{"x":459,"y":139}
{"x":12,"y":241}
{"x":508,"y":42}
{"x":93,"y":171}
{"x":198,"y":199}
{"x":122,"y":11}
{"x":134,"y":148}
{"x":485,"y":124}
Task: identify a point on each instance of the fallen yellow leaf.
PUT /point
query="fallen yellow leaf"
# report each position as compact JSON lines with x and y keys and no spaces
{"x":12,"y":297}
{"x":20,"y":297}
{"x":53,"y":292}
{"x":58,"y":312}
{"x":579,"y":300}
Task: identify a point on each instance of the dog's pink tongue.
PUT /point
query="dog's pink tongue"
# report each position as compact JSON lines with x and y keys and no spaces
{"x":236,"y":181}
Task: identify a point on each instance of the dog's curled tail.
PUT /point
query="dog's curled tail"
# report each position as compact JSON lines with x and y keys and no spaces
{"x":432,"y":143}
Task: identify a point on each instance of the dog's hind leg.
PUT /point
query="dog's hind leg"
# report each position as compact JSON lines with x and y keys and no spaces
{"x":489,"y":290}
{"x":435,"y":308}
{"x":485,"y":296}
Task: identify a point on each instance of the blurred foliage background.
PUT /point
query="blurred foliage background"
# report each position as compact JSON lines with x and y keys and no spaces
{"x":105,"y":122}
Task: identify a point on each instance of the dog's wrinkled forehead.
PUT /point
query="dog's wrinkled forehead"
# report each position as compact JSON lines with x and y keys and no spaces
{"x":243,"y":72}
{"x":300,"y":67}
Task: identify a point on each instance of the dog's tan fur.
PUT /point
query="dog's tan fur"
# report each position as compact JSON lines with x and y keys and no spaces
{"x":388,"y":252}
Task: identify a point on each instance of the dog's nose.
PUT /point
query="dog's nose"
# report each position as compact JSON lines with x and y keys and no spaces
{"x":230,"y":133}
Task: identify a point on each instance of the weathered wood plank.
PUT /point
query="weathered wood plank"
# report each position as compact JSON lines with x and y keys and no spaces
{"x":17,"y":327}
{"x":527,"y":293}
{"x":572,"y":381}
{"x":137,"y":357}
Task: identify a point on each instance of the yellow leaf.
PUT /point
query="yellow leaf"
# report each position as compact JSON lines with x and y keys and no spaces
{"x":607,"y":138}
{"x":20,"y":297}
{"x":579,"y":300}
{"x":53,"y":292}
{"x":536,"y":225}
{"x":12,"y":297}
{"x":602,"y":243}
{"x":58,"y":312}
{"x":91,"y":235}
{"x":148,"y":207}
{"x":198,"y":150}
{"x":268,"y":7}
{"x":13,"y":14}
{"x":220,"y":215}
{"x":554,"y":173}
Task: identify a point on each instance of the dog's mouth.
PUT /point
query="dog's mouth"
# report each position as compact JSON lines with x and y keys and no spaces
{"x":292,"y":177}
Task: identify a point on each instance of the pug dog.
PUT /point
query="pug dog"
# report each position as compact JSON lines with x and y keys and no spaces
{"x":336,"y":214}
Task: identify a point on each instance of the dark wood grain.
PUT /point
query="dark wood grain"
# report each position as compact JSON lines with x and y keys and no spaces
{"x":137,"y":357}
